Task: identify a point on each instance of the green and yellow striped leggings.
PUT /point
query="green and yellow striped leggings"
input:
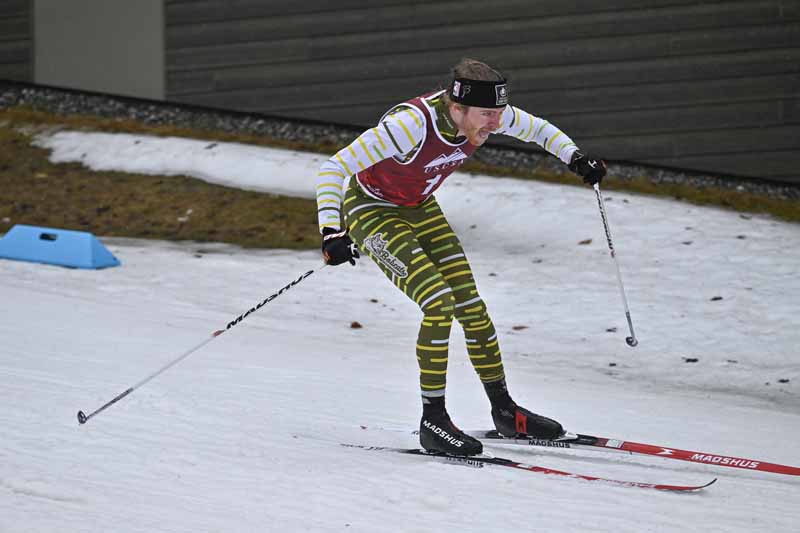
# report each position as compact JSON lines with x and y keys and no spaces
{"x":417,"y":250}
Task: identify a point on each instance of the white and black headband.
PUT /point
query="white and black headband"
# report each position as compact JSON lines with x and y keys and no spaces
{"x":479,"y":93}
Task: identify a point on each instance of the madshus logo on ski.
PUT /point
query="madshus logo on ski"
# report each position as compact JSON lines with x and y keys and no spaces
{"x":724,"y":461}
{"x":533,"y":441}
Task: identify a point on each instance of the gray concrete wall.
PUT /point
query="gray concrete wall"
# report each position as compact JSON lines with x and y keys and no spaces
{"x":16,"y":40}
{"x":711,"y":86}
{"x":110,"y":46}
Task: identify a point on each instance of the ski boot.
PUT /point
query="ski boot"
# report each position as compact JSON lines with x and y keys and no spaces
{"x":511,"y":420}
{"x":437,"y":433}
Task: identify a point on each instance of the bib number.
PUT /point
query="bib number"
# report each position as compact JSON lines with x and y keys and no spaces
{"x":431,"y":184}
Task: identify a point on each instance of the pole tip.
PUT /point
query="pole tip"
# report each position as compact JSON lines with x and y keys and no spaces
{"x":82,"y":418}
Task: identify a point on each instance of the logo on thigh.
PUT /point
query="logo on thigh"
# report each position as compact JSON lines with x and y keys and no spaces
{"x":376,"y":246}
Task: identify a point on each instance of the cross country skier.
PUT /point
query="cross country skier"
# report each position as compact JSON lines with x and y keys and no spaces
{"x":390,"y":212}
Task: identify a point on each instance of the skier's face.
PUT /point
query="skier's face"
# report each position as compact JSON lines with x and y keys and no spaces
{"x":477,"y":123}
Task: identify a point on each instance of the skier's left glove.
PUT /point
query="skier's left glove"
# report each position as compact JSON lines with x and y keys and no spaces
{"x":590,"y":167}
{"x":338,"y":247}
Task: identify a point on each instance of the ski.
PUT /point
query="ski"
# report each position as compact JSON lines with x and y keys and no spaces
{"x":479,"y":461}
{"x":589,"y":442}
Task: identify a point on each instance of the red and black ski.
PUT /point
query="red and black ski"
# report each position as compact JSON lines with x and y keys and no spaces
{"x":479,"y":461}
{"x":577,"y":441}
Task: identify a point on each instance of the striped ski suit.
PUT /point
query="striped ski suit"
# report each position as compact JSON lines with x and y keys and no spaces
{"x":394,"y":217}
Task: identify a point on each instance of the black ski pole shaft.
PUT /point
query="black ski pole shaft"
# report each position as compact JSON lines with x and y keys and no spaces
{"x":632,"y":339}
{"x":83,"y":418}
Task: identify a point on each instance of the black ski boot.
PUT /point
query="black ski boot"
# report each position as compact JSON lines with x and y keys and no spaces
{"x":511,"y":420}
{"x":515,"y":420}
{"x":437,"y":433}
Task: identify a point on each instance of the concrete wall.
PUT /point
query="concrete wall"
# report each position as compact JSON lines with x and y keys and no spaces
{"x":111,"y":46}
{"x":16,"y":40}
{"x":711,"y":86}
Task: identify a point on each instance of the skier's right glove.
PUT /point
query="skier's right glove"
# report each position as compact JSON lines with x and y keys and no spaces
{"x":588,"y":166}
{"x":338,"y":247}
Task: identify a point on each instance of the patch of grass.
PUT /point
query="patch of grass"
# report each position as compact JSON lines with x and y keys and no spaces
{"x":35,"y":191}
{"x":787,"y":210}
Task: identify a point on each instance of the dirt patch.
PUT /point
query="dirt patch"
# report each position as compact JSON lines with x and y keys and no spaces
{"x":35,"y":191}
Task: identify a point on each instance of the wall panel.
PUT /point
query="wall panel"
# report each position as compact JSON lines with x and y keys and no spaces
{"x":16,"y":40}
{"x":710,"y":86}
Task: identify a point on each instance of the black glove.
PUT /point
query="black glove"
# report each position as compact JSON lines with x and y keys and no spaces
{"x":338,"y":247}
{"x":591,"y":167}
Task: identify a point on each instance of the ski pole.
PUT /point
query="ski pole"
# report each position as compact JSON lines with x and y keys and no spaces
{"x":632,"y":339}
{"x":83,"y":418}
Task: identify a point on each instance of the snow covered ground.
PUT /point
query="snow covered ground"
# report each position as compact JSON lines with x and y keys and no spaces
{"x":243,"y":435}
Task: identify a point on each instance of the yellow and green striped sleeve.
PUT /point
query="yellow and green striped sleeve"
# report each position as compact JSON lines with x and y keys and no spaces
{"x":398,"y":133}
